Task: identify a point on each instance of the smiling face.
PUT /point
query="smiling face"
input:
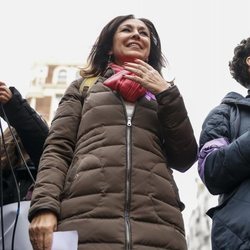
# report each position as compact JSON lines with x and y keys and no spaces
{"x":131,"y":41}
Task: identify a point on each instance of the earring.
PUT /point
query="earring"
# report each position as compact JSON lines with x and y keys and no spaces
{"x":110,"y":58}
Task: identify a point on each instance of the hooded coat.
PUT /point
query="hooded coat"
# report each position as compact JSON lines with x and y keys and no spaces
{"x":224,"y":167}
{"x":110,"y":177}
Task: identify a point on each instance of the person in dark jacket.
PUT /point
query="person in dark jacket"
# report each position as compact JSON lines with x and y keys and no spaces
{"x":21,"y":144}
{"x":106,"y":169}
{"x":21,"y":148}
{"x":224,"y":159}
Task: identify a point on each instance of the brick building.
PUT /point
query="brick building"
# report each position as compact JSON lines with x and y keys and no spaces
{"x":48,"y":84}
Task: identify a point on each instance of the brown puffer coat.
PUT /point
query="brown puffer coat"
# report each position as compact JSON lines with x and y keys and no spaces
{"x":108,"y":177}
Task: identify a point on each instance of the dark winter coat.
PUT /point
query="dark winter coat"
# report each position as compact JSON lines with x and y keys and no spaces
{"x":30,"y":132}
{"x":108,"y":177}
{"x":224,"y":166}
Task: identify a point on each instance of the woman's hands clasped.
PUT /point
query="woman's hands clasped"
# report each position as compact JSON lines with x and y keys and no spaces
{"x":146,"y":76}
{"x":41,"y":230}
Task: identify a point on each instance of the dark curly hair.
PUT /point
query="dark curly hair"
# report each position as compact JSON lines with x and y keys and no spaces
{"x":99,"y":55}
{"x":238,"y":66}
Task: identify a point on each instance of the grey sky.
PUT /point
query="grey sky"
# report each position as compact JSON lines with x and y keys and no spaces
{"x":198,"y":37}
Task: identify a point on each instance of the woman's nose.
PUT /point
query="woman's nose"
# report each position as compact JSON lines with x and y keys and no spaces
{"x":136,"y":34}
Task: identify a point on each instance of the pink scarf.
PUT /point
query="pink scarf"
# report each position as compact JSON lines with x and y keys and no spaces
{"x":128,"y":89}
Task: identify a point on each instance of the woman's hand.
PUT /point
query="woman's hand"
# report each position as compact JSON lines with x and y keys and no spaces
{"x":5,"y":93}
{"x":41,"y":230}
{"x":146,"y":76}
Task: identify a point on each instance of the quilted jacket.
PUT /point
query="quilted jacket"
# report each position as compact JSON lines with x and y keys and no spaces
{"x":224,"y":166}
{"x":110,"y":178}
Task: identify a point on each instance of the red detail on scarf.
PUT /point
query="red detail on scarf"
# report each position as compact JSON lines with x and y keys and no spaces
{"x":128,"y":89}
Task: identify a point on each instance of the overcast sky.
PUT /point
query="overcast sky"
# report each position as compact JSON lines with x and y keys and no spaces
{"x":198,"y":38}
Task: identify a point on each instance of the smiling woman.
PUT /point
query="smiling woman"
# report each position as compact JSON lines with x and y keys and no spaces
{"x":131,"y":40}
{"x":106,"y":169}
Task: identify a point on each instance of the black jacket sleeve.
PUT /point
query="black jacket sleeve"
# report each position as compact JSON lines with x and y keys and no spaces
{"x":30,"y":127}
{"x":225,"y":166}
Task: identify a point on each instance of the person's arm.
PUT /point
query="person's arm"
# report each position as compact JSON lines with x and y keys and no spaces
{"x":222,"y":164}
{"x":30,"y":127}
{"x":53,"y":167}
{"x":179,"y":140}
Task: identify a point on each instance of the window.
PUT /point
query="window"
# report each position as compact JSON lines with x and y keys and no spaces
{"x":62,"y":76}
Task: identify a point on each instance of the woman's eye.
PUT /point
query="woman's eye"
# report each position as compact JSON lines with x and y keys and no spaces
{"x":126,"y":30}
{"x":144,"y":33}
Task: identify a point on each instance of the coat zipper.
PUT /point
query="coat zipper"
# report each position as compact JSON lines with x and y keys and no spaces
{"x":128,"y":180}
{"x":128,"y":187}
